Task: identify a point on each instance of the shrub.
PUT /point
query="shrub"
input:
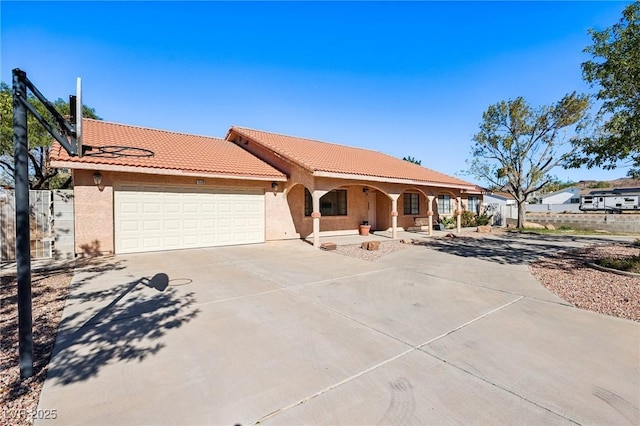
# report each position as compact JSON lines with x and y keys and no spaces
{"x":448,"y":222}
{"x":628,"y":264}
{"x":468,"y":219}
{"x":482,"y":219}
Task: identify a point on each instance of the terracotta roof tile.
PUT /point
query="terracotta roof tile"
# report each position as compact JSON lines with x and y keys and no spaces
{"x":172,"y":150}
{"x":317,"y":156}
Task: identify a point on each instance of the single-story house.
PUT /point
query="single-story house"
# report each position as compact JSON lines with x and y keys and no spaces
{"x":499,"y":199}
{"x":172,"y":190}
{"x":569,"y":195}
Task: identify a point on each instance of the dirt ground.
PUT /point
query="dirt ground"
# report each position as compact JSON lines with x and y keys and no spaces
{"x":19,"y":398}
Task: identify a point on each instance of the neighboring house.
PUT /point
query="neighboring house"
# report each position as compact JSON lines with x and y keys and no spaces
{"x":500,"y":206}
{"x":250,"y":187}
{"x":499,"y":198}
{"x":569,"y":195}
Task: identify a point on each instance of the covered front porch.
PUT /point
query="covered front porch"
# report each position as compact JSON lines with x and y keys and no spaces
{"x":336,"y":208}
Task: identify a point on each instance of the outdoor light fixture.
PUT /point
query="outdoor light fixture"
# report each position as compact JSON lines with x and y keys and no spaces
{"x":274,"y":186}
{"x":365,"y":190}
{"x":97,"y":179}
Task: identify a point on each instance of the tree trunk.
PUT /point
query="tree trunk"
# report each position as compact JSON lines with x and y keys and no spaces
{"x":522,"y":213}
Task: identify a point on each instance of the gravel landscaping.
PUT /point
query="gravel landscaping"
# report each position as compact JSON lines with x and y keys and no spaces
{"x":569,"y":276}
{"x":19,"y":398}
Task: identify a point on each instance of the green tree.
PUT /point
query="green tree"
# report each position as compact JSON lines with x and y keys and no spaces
{"x":615,"y":136}
{"x":518,"y":146}
{"x":412,"y":160}
{"x":556,"y":184}
{"x":41,"y":175}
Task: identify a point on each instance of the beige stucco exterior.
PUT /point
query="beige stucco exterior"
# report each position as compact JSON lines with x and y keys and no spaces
{"x":94,"y":207}
{"x":379,"y":202}
{"x":284,"y":211}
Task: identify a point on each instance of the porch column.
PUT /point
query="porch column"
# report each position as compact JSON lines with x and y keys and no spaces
{"x":459,"y":214}
{"x":315,"y":215}
{"x":430,"y":213}
{"x":394,"y":215}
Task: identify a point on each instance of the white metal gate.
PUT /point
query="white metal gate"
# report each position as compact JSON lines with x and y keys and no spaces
{"x":40,"y":224}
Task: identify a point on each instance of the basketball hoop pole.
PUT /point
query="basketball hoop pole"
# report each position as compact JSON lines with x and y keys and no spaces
{"x":23,"y":251}
{"x":67,"y":136}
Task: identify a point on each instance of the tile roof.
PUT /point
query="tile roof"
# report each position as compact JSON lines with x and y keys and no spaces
{"x":171,"y":151}
{"x":317,"y":156}
{"x":503,"y":195}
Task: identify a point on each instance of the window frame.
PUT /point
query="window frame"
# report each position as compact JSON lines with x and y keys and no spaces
{"x":411,"y":203}
{"x":441,"y":204}
{"x":339,"y":205}
{"x":476,"y":204}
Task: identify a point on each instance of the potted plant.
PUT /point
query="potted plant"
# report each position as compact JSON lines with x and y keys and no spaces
{"x":447,"y":222}
{"x":365,"y":228}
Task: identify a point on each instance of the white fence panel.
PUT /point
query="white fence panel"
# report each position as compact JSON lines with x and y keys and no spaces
{"x":40,"y":224}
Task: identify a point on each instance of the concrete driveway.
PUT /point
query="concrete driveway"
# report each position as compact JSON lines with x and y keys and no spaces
{"x":282,"y":333}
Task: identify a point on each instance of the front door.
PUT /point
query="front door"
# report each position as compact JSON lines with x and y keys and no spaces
{"x":373,"y":194}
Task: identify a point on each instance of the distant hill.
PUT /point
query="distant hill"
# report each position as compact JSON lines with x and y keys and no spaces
{"x":616,"y":183}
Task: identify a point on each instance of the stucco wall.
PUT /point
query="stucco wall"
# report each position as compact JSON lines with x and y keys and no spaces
{"x":357,"y":211}
{"x":279,"y":224}
{"x":94,"y":217}
{"x":93,"y":214}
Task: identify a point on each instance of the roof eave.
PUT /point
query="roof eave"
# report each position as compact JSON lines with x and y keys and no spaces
{"x":390,"y":180}
{"x":159,"y":171}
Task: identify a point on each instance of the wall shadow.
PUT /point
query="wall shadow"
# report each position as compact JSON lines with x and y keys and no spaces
{"x":129,"y":324}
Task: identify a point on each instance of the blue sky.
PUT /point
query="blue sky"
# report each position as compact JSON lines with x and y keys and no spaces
{"x":403,"y":78}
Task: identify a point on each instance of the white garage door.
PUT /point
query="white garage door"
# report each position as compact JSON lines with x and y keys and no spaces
{"x":152,"y":218}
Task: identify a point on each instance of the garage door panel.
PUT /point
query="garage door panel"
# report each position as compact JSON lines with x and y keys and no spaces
{"x":171,"y":207}
{"x":151,"y":225}
{"x":190,"y":224}
{"x":151,"y":243}
{"x":150,"y":218}
{"x":171,"y":224}
{"x":130,"y":225}
{"x":224,"y":223}
{"x":254,"y":222}
{"x":190,"y":208}
{"x":129,"y":207}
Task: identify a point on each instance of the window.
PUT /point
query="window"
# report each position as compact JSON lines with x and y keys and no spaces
{"x":308,"y":203}
{"x":333,"y":203}
{"x":411,"y":203}
{"x":472,"y":204}
{"x":575,"y":200}
{"x":444,"y":204}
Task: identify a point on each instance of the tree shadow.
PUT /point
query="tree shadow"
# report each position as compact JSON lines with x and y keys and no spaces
{"x":90,"y":249}
{"x":517,"y":249}
{"x":129,"y":327}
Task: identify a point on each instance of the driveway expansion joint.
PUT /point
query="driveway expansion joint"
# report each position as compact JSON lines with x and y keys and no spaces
{"x":380,"y":364}
{"x":502,"y":388}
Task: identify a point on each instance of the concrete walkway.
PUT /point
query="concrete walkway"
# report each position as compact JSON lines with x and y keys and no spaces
{"x":282,"y":333}
{"x":354,"y":238}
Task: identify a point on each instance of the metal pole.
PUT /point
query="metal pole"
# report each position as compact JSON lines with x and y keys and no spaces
{"x":23,"y":254}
